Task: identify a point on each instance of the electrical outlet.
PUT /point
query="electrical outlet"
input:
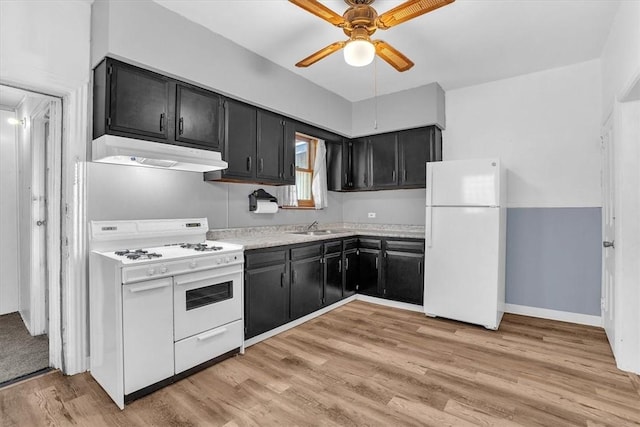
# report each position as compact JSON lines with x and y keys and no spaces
{"x":371,"y":215}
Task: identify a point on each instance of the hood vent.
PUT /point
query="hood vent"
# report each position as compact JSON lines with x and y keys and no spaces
{"x":136,"y":152}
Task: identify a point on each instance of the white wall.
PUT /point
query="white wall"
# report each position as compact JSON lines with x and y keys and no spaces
{"x":421,"y":106}
{"x":621,"y":54}
{"x":146,"y":33}
{"x":404,"y":207}
{"x":544,"y":126}
{"x":44,"y":44}
{"x":9,"y":289}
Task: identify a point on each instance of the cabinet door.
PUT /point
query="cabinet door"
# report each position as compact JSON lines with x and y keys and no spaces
{"x":359,"y":164}
{"x":266,"y":299}
{"x":332,"y":278}
{"x":239,"y":140}
{"x":306,"y":286}
{"x":335,"y":167}
{"x":198,"y":117}
{"x":139,"y":102}
{"x":414,"y":146}
{"x":270,"y":143}
{"x":368,"y":271}
{"x":289,"y":154}
{"x":404,"y":276}
{"x":147,"y":318}
{"x":435,"y":139}
{"x":350,"y":262}
{"x":383,"y":150}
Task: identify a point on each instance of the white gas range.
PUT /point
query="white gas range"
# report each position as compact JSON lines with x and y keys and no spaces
{"x":164,"y":302}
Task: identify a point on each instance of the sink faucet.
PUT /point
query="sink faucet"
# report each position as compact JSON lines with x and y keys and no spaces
{"x":314,"y":226}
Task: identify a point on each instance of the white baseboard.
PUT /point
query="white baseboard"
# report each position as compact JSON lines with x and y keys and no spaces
{"x":390,"y":303}
{"x":563,"y":316}
{"x":300,"y":321}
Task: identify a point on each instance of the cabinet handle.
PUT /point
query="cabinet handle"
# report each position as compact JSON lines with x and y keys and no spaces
{"x":346,"y":179}
{"x":282,"y":280}
{"x":293,"y":277}
{"x":419,"y":267}
{"x":376,"y":262}
{"x":261,"y":165}
{"x":393,"y":175}
{"x":346,"y":264}
{"x":339,"y":266}
{"x":181,"y":126}
{"x":161,"y":122}
{"x":404,"y":176}
{"x":293,"y":169}
{"x":249,"y":164}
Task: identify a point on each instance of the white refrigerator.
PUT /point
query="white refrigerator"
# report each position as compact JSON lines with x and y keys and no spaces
{"x":465,"y":239}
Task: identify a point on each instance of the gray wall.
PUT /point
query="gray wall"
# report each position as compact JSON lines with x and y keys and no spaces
{"x":117,"y":192}
{"x":554,"y":258}
{"x":391,"y":207}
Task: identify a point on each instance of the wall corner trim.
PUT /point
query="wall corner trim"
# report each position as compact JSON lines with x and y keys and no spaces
{"x":563,"y":316}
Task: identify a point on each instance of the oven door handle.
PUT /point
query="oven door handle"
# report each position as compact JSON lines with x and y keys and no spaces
{"x":212,"y":334}
{"x":148,"y":288}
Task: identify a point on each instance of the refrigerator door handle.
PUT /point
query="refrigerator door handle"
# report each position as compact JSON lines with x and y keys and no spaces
{"x":427,"y":226}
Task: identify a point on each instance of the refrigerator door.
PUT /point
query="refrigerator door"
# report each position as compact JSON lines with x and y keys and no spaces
{"x":462,"y":265}
{"x":464,"y":183}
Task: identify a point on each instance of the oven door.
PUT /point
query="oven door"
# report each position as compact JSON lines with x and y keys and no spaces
{"x":206,"y":299}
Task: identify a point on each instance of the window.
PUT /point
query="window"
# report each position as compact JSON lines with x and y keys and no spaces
{"x":305,"y":159}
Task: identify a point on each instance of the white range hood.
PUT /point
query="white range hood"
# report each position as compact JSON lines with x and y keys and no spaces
{"x":136,"y":152}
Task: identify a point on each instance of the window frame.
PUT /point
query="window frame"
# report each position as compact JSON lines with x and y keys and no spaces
{"x":311,"y":158}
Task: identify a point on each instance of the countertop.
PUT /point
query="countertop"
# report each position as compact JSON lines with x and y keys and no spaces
{"x":271,"y":236}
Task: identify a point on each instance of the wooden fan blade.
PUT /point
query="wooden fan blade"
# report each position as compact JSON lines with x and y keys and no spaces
{"x":408,"y":10}
{"x":322,"y":53}
{"x":393,"y":57}
{"x":320,"y":10}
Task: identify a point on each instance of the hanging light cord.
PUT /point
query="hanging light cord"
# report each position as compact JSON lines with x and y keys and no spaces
{"x":375,"y":93}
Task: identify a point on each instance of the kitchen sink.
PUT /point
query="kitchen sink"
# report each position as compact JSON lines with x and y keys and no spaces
{"x":315,"y":232}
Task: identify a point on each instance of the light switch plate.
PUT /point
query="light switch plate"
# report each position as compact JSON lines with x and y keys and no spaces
{"x":371,"y":214}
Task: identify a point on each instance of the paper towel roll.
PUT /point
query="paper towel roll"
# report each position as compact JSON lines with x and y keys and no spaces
{"x":264,"y":206}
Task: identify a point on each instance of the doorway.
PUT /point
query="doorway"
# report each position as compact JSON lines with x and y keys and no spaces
{"x":30,"y":125}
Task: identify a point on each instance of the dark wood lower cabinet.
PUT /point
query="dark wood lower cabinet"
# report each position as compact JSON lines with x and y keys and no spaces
{"x":351,"y":271}
{"x":404,"y":276}
{"x":332,"y":278}
{"x":266,"y":299}
{"x":368,"y":271}
{"x":306,"y":286}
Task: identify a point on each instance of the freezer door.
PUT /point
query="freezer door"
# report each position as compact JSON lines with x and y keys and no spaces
{"x":462,"y":265}
{"x":464,"y":183}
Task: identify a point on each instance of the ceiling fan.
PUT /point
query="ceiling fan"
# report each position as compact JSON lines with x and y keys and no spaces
{"x":359,"y":22}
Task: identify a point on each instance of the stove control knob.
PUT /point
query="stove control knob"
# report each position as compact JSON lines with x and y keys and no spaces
{"x":163,"y":270}
{"x":151,"y":272}
{"x":193,"y":264}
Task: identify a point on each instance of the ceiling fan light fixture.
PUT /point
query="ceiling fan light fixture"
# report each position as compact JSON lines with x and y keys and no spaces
{"x":359,"y":52}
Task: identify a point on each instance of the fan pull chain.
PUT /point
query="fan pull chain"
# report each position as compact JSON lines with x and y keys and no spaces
{"x":375,"y":92}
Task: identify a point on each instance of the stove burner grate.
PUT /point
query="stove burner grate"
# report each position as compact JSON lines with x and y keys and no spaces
{"x":137,"y":254}
{"x":201,"y":247}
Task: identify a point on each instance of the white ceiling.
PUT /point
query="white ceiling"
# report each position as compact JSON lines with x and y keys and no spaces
{"x":465,"y":43}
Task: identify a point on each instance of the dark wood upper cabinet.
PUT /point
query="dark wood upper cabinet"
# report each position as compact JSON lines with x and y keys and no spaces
{"x":198,"y":117}
{"x":269,"y":146}
{"x":139,"y":102}
{"x":289,"y":153}
{"x":359,"y":166}
{"x":239,"y":140}
{"x":414,"y":149}
{"x":383,"y":158}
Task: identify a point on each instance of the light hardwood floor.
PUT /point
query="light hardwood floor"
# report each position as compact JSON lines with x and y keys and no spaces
{"x":363,"y":364}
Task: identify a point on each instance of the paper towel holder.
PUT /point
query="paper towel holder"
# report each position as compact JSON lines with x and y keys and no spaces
{"x":259,"y":194}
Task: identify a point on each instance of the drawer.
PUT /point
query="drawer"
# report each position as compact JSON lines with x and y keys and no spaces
{"x":260,"y":258}
{"x":203,"y":347}
{"x":405,"y":245}
{"x":333,"y":247}
{"x":309,"y":251}
{"x":368,"y":243}
{"x":351,"y":243}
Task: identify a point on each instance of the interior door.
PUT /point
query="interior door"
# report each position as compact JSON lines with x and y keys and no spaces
{"x":608,"y":230}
